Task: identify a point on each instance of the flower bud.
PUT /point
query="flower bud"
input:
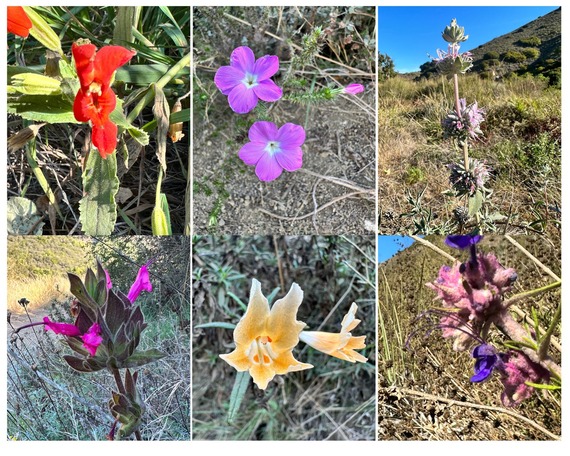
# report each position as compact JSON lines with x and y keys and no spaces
{"x":453,"y":33}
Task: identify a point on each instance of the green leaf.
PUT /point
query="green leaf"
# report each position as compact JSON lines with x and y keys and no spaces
{"x":141,"y":358}
{"x":78,"y":290}
{"x":143,"y":74}
{"x":475,"y":203}
{"x":22,"y":216}
{"x":42,"y":108}
{"x":217,"y":324}
{"x":180,"y":116}
{"x":180,"y":39}
{"x":119,"y":118}
{"x":98,"y":209}
{"x":161,"y":218}
{"x":543,"y":386}
{"x":238,"y":392}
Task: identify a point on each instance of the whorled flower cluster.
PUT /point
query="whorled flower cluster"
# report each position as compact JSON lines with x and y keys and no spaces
{"x":469,"y":181}
{"x":465,"y":124}
{"x":473,"y":293}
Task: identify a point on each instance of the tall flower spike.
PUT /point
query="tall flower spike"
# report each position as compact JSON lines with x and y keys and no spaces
{"x":265,"y":338}
{"x":95,"y":100}
{"x":340,"y":345}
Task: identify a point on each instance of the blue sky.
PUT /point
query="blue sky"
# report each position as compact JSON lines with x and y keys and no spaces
{"x":408,"y":33}
{"x":388,"y":246}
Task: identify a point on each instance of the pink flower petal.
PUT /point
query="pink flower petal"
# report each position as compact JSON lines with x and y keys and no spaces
{"x":141,"y":283}
{"x":251,"y":152}
{"x":290,"y":159}
{"x":265,"y":67}
{"x":263,"y":132}
{"x":243,"y":59}
{"x":353,"y":89}
{"x":241,"y":99}
{"x":290,"y":136}
{"x":65,"y":329}
{"x":92,"y":339}
{"x":108,"y":277}
{"x":268,"y":91}
{"x":227,"y":78}
{"x":268,"y":168}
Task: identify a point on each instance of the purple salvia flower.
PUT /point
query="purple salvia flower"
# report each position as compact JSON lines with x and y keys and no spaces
{"x":353,"y":89}
{"x":487,"y":359}
{"x":462,"y":241}
{"x":246,"y":80}
{"x":518,"y":370}
{"x":466,"y":124}
{"x":272,"y":150}
{"x":141,"y":283}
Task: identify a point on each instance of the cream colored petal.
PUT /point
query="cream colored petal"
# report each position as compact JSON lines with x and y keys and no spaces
{"x":286,"y":363}
{"x":356,"y":343}
{"x":349,"y":322}
{"x":324,"y":341}
{"x":262,"y":374}
{"x":282,"y":325}
{"x":238,"y":359}
{"x":253,"y":323}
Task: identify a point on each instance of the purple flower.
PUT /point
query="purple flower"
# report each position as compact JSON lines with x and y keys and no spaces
{"x":92,"y":339}
{"x":353,"y":89}
{"x":246,"y":79}
{"x":65,"y":329}
{"x":272,"y":150}
{"x":486,"y":360}
{"x":460,"y":241}
{"x":141,"y":283}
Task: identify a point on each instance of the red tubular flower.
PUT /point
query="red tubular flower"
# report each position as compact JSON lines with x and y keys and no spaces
{"x":18,"y":21}
{"x":95,"y":100}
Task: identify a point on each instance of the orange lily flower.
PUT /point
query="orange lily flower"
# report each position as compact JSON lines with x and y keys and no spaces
{"x":18,"y":21}
{"x":95,"y":100}
{"x":340,"y":345}
{"x":265,"y":338}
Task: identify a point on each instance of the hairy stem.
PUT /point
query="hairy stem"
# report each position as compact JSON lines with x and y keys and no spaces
{"x":527,"y":294}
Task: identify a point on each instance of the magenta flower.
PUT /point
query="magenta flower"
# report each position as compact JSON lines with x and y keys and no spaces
{"x":353,"y":89}
{"x":272,"y":150}
{"x":108,"y":277}
{"x":246,"y":80}
{"x":92,"y":339}
{"x":65,"y":329}
{"x":141,"y":283}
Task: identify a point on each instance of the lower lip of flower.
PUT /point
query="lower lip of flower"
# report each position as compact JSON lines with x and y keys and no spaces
{"x":272,"y":147}
{"x":259,"y":352}
{"x":250,"y":81}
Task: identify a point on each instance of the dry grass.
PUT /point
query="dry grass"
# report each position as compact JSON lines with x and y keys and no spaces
{"x":39,"y":292}
{"x":521,"y":145}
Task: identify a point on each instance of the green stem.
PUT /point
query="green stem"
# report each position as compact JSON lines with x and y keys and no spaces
{"x":545,"y":343}
{"x":165,"y":79}
{"x":31,"y":157}
{"x":118,"y":380}
{"x":527,"y":294}
{"x":157,"y":200}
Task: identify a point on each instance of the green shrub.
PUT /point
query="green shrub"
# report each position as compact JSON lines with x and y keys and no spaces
{"x":513,"y":56}
{"x":491,"y":55}
{"x":531,"y":53}
{"x":531,"y":41}
{"x":414,"y":175}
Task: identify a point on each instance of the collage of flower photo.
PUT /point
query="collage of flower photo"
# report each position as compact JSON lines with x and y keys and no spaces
{"x":283,"y":222}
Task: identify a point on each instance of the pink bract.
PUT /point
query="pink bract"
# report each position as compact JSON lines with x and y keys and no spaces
{"x":272,"y":150}
{"x":247,"y":80}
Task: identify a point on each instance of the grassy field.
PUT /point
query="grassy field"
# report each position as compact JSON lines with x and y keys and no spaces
{"x":521,"y":145}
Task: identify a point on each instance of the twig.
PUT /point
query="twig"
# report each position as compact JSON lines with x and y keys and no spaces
{"x":324,"y":206}
{"x":433,"y":247}
{"x":511,"y":413}
{"x":533,"y":258}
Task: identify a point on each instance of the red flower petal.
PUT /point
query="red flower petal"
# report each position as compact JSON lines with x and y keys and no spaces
{"x":93,"y":107}
{"x":107,"y":60}
{"x":18,"y":21}
{"x":105,"y":138}
{"x":84,"y":56}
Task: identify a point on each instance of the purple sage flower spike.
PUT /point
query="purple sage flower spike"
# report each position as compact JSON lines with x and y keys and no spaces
{"x":272,"y":150}
{"x":247,"y":80}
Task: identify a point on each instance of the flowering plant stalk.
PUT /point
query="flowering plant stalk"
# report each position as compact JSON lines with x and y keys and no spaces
{"x":462,"y":123}
{"x":105,"y":335}
{"x":473,"y":301}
